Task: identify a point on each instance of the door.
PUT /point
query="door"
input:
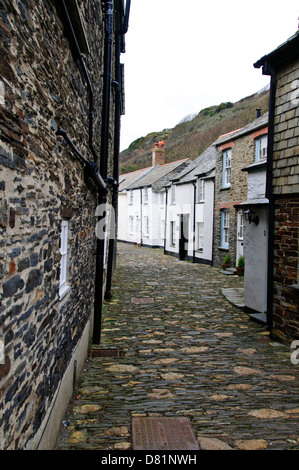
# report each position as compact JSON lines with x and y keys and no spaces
{"x":183,"y":243}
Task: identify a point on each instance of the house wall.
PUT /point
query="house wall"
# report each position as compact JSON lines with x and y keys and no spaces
{"x":41,"y":184}
{"x":122,"y":216}
{"x":255,"y":255}
{"x":203,"y":213}
{"x":255,"y":247}
{"x":243,"y":154}
{"x":286,"y":202}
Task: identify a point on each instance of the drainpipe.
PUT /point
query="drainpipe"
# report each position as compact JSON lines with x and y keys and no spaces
{"x":102,"y":199}
{"x":165,"y":228}
{"x":194,"y":226}
{"x":117,"y":89}
{"x":141,"y":240}
{"x":269,"y":195}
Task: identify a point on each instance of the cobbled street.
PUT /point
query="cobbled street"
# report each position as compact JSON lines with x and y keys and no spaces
{"x":186,"y":351}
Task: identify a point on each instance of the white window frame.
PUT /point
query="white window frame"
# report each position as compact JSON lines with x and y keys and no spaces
{"x":146,"y":226}
{"x":200,"y":236}
{"x":225,"y":228}
{"x":227,"y":166}
{"x":172,"y":232}
{"x":261,"y":147}
{"x":241,"y":225}
{"x":131,"y":198}
{"x":63,"y":279}
{"x":173,"y":194}
{"x":201,"y":190}
{"x":131,"y":224}
{"x":145,"y":194}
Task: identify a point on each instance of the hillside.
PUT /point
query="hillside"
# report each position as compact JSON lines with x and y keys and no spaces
{"x":194,"y":134}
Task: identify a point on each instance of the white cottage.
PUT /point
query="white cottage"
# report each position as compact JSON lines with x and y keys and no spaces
{"x":142,"y":202}
{"x":125,"y":199}
{"x":189,"y":214}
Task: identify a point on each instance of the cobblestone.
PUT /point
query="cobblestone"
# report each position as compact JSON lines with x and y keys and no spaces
{"x":187,"y":351}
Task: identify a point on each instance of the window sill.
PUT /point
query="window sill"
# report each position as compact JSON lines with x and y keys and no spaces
{"x":223,"y":248}
{"x":224,"y":188}
{"x":63,"y":291}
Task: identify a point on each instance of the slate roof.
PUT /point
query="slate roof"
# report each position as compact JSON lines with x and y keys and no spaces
{"x":158,"y":176}
{"x":203,"y":165}
{"x":252,"y":126}
{"x":130,"y":178}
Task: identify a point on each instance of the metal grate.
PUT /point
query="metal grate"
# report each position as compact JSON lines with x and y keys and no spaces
{"x":106,"y":353}
{"x":163,"y":433}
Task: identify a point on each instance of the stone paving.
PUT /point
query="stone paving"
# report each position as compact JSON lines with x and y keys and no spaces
{"x":186,"y":351}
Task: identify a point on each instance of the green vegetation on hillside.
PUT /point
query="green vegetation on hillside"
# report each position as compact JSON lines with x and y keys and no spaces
{"x":194,"y":134}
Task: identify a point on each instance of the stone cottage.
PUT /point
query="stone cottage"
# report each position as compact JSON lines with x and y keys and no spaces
{"x":189,"y":213}
{"x":60,"y":115}
{"x":282,"y":65}
{"x":235,"y":151}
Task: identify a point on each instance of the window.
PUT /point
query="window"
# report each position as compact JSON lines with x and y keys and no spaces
{"x":261,"y":145}
{"x":201,"y":190}
{"x":63,"y":285}
{"x":145,"y":192}
{"x":240,"y":225}
{"x":227,"y":161}
{"x":146,"y":226}
{"x":131,"y":224}
{"x":172,"y":233}
{"x":173,"y":194}
{"x":200,"y":227}
{"x":225,"y":228}
{"x":131,"y":198}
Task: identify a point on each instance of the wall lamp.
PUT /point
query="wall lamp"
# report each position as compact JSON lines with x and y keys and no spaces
{"x":251,"y":216}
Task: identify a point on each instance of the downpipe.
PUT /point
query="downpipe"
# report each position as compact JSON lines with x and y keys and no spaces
{"x":102,"y":199}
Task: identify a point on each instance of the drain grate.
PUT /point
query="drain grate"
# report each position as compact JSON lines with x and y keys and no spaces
{"x":106,"y":353}
{"x":163,"y":433}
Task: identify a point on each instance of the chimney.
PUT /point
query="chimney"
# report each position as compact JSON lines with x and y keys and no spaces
{"x":159,"y":153}
{"x":258,"y":112}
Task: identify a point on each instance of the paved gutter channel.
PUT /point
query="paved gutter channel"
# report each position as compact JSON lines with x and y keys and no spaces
{"x":187,"y":351}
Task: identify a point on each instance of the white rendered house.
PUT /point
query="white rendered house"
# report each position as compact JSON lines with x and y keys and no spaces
{"x":189,"y":212}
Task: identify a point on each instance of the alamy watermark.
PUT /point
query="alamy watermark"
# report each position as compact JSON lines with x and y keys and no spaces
{"x":2,"y":93}
{"x":295,"y":353}
{"x":2,"y":354}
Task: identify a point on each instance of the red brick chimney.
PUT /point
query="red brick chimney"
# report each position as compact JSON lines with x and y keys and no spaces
{"x":159,"y":153}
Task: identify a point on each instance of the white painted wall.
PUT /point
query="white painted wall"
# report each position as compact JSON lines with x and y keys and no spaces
{"x":255,"y":255}
{"x":184,"y":204}
{"x":255,"y":247}
{"x":122,"y":216}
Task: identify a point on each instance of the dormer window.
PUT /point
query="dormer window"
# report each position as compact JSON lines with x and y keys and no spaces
{"x":261,"y":146}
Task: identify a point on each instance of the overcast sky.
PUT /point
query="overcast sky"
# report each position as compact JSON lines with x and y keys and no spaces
{"x":185,"y":55}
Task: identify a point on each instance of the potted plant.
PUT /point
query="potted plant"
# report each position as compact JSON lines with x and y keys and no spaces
{"x":240,"y":266}
{"x":226,"y":262}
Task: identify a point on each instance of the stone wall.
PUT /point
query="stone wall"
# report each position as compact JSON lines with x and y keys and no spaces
{"x":285,"y":286}
{"x":286,"y":203}
{"x":41,"y":184}
{"x":243,"y":154}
